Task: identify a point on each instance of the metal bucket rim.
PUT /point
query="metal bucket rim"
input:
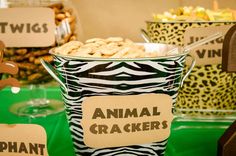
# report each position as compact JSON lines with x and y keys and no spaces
{"x":123,"y":59}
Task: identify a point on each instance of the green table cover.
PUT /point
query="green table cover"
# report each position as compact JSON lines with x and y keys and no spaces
{"x":187,"y":138}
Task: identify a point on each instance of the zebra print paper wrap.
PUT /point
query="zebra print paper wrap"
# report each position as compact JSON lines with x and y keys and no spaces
{"x":85,"y":78}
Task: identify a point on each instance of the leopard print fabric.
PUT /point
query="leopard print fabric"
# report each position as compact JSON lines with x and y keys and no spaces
{"x":207,"y":91}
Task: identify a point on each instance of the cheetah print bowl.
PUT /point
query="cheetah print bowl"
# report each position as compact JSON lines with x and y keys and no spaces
{"x":208,"y":92}
{"x":173,"y":32}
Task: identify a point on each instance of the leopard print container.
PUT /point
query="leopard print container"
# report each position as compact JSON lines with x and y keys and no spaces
{"x":173,"y":32}
{"x":208,"y":91}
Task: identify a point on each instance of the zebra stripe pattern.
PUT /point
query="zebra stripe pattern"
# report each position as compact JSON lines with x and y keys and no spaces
{"x":85,"y":78}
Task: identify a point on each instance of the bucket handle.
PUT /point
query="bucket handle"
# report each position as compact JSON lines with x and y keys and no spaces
{"x":189,"y":69}
{"x":145,"y":36}
{"x":51,"y":70}
{"x":147,"y":39}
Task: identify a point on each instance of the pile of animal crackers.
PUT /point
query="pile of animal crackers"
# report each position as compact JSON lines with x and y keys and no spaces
{"x":112,"y":47}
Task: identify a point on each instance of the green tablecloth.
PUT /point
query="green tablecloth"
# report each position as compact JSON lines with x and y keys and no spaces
{"x":187,"y":138}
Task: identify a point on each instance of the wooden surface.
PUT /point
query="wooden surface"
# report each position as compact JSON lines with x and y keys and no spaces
{"x":229,"y":51}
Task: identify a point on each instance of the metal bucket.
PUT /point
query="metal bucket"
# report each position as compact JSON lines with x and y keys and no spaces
{"x":83,"y":78}
{"x":208,"y":92}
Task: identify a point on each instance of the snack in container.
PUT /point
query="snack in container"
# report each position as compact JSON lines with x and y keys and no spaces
{"x":58,"y":24}
{"x":208,"y":92}
{"x":112,"y":47}
{"x":27,"y":58}
{"x":105,"y":69}
{"x":169,"y":27}
{"x":189,"y":13}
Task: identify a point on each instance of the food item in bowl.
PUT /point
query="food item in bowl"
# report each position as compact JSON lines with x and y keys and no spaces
{"x":196,"y":14}
{"x":112,"y":47}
